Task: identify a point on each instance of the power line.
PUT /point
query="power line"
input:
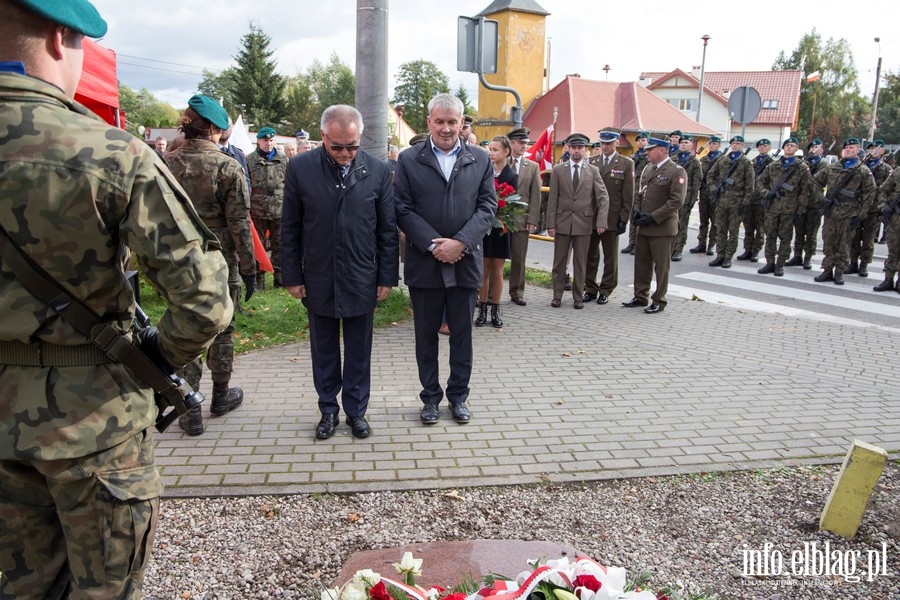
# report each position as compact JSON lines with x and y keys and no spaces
{"x":158,"y":68}
{"x":165,"y":62}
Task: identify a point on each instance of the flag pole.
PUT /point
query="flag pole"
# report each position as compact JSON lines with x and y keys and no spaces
{"x":553,"y":137}
{"x":812,"y":123}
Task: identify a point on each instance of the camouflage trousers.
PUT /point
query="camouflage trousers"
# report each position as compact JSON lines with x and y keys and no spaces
{"x":707,"y":222}
{"x":836,"y":235}
{"x":729,"y":224}
{"x":79,"y":528}
{"x":269,"y":231}
{"x":806,"y":233}
{"x":892,"y":237}
{"x":779,"y":232}
{"x":862,"y":242}
{"x":684,"y":219}
{"x":219,"y":358}
{"x":754,"y":221}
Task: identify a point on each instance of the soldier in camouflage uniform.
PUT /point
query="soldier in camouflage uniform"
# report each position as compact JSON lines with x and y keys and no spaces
{"x":862,"y":244}
{"x":707,"y":214}
{"x":850,"y":191}
{"x":640,"y":161}
{"x":79,"y":488}
{"x":687,"y":160}
{"x":889,"y":214}
{"x":731,"y":184}
{"x":268,"y":166}
{"x":217,"y":186}
{"x":786,"y":187}
{"x":806,"y":230}
{"x":754,"y":216}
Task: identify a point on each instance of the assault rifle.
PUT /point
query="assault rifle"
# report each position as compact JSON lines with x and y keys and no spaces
{"x":766,"y":162}
{"x":831,"y":198}
{"x":712,"y":162}
{"x":727,"y":180}
{"x":892,"y":207}
{"x":782,"y":184}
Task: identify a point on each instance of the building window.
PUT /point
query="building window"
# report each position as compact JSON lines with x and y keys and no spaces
{"x":683,"y":103}
{"x":772,"y":104}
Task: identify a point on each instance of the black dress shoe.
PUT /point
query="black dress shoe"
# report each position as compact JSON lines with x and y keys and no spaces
{"x":359,"y":426}
{"x":519,"y":301}
{"x":460,"y":412}
{"x":627,"y":249}
{"x":326,"y":426}
{"x":588,"y":297}
{"x":717,"y":261}
{"x":429,"y":414}
{"x":634,"y":303}
{"x":602,"y":299}
{"x":556,"y":303}
{"x":578,"y":304}
{"x":676,"y":256}
{"x":654,"y":308}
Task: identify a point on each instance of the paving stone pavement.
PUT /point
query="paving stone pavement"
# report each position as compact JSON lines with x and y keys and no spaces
{"x":561,"y":395}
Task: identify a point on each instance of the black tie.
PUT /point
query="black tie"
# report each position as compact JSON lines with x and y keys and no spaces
{"x":575,"y":178}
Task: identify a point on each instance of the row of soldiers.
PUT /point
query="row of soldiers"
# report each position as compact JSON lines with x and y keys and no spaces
{"x":780,"y":201}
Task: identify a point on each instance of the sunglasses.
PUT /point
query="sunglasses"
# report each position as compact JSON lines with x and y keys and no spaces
{"x":339,"y":147}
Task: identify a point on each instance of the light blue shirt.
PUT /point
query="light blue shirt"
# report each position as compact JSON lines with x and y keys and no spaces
{"x":446,"y":159}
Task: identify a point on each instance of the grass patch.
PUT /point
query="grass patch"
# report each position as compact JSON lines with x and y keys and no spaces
{"x":273,"y":317}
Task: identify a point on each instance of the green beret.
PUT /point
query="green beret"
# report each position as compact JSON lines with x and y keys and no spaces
{"x":79,"y":15}
{"x":763,"y":141}
{"x":851,"y":142}
{"x":790,"y":140}
{"x":642,"y":134}
{"x":714,"y":139}
{"x":676,"y":132}
{"x":737,"y":138}
{"x":484,"y":143}
{"x":266,"y":133}
{"x":210,"y":110}
{"x":578,"y":138}
{"x":875,"y":144}
{"x":686,"y":137}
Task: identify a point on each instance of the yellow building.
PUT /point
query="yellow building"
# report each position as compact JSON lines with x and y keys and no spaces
{"x":521,"y":64}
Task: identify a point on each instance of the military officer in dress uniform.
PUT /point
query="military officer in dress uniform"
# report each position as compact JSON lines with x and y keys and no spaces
{"x":577,"y":206}
{"x":617,"y":172}
{"x":687,"y":159}
{"x":663,"y":186}
{"x":530,"y":190}
{"x":708,"y":229}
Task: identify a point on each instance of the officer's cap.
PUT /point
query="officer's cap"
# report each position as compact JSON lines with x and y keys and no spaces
{"x":302,"y":135}
{"x":266,"y":133}
{"x":653,"y":142}
{"x":763,"y":141}
{"x":737,"y":138}
{"x":790,"y":140}
{"x":79,"y":15}
{"x":419,"y":137}
{"x":676,"y":132}
{"x":851,"y":142}
{"x":578,"y":138}
{"x":484,"y":143}
{"x":609,"y":136}
{"x":642,"y":134}
{"x":714,"y":139}
{"x":467,"y":120}
{"x":210,"y":110}
{"x":520,"y":134}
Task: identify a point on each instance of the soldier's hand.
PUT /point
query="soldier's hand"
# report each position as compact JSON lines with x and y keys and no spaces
{"x":644,"y":220}
{"x":620,"y":227}
{"x":250,"y":284}
{"x":770,"y":196}
{"x":634,"y":216}
{"x":147,"y":341}
{"x":885,"y":215}
{"x":855,"y":222}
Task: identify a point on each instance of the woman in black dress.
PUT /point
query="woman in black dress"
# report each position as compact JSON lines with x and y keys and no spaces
{"x":496,"y":242}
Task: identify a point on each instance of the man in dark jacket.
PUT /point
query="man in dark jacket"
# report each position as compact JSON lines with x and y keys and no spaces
{"x":444,"y":190}
{"x":339,"y":247}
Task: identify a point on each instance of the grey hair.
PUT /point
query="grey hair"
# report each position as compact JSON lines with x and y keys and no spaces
{"x":446,"y":101}
{"x":343,"y":115}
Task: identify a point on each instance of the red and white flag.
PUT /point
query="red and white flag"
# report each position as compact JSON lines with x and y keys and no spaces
{"x":814,"y":76}
{"x":542,"y":150}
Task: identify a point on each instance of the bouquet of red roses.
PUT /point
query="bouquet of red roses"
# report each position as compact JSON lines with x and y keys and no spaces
{"x":510,"y":208}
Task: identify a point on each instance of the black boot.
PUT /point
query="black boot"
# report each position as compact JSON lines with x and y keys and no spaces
{"x":887,"y":285}
{"x":769,"y":268}
{"x":627,"y":249}
{"x":795,"y":261}
{"x":192,"y":422}
{"x":807,"y":262}
{"x":225,"y":399}
{"x":863,"y":269}
{"x":717,"y":262}
{"x":838,"y":277}
{"x":779,"y":269}
{"x":745,"y":255}
{"x":698,"y":249}
{"x":826,"y":275}
{"x":852,"y":268}
{"x":260,"y":281}
{"x":481,"y":319}
{"x":277,"y":283}
{"x":495,"y":316}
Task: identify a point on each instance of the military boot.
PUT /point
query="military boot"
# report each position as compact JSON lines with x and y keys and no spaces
{"x":807,"y":262}
{"x":745,"y":255}
{"x":277,"y":282}
{"x":838,"y":277}
{"x":852,"y":268}
{"x":795,"y":261}
{"x":260,"y":281}
{"x":863,"y":269}
{"x":495,"y":316}
{"x":887,"y":285}
{"x":627,"y":249}
{"x":779,"y":269}
{"x":191,"y":422}
{"x":826,"y":275}
{"x":769,"y":268}
{"x":698,"y":249}
{"x":717,"y":262}
{"x":225,"y":399}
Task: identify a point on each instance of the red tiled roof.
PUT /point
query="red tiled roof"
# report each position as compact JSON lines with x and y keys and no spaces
{"x":783,"y":86}
{"x":586,"y":106}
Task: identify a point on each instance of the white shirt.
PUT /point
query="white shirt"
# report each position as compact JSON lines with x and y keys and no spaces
{"x":446,"y":159}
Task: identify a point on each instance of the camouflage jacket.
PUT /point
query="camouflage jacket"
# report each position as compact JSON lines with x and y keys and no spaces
{"x":853,"y":199}
{"x":691,"y":166}
{"x":706,"y":164}
{"x":217,"y":187}
{"x":77,"y":195}
{"x":880,"y":172}
{"x":795,"y":193}
{"x":267,"y":184}
{"x":743,"y":179}
{"x":889,"y":191}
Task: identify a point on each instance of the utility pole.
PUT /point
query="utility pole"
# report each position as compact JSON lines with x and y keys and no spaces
{"x":875,"y":96}
{"x":371,"y":73}
{"x":705,"y":39}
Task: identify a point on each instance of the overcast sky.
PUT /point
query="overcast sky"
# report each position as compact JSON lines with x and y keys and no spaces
{"x":164,"y":45}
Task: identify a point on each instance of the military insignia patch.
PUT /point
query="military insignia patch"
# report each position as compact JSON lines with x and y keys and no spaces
{"x":681,"y":180}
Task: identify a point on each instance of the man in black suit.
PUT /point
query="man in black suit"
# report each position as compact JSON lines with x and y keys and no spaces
{"x":445,"y":199}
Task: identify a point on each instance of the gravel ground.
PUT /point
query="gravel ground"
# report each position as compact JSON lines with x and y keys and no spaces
{"x":688,"y":530}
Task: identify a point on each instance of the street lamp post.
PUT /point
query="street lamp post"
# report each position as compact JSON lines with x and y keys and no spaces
{"x":606,"y":71}
{"x":705,"y":39}
{"x":875,"y":96}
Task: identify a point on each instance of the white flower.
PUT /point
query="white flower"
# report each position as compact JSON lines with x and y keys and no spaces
{"x":366,"y":577}
{"x":409,"y":565}
{"x":354,"y":590}
{"x":612,"y":587}
{"x":331,"y":594}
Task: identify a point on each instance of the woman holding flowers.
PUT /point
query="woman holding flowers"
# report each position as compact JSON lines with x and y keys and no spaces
{"x":496,"y":242}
